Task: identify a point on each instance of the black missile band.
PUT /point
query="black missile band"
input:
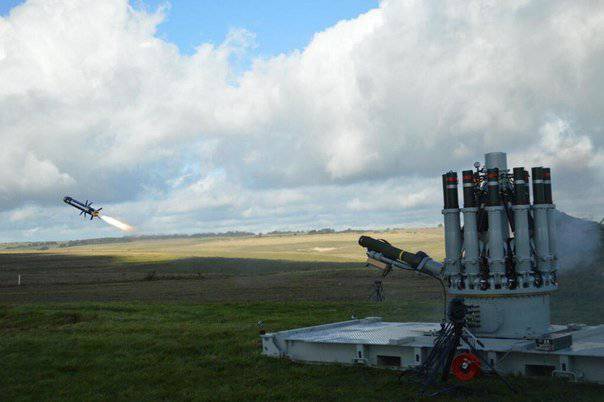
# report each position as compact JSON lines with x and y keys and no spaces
{"x":450,"y":196}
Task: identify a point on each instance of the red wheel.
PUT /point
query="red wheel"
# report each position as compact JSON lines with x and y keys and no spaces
{"x":465,"y":366}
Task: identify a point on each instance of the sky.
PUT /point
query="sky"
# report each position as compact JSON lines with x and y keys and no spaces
{"x":279,"y":26}
{"x":271,"y":115}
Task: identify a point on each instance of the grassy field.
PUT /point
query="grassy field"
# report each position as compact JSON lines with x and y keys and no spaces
{"x":134,"y":351}
{"x":302,"y":267}
{"x":176,"y":319}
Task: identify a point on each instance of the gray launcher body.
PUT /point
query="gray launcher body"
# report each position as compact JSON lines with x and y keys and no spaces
{"x":502,"y":262}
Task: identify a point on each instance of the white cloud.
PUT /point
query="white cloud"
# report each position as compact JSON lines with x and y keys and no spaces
{"x":364,"y":119}
{"x":24,"y":213}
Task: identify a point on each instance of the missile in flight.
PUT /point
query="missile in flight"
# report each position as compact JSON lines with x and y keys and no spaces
{"x":84,"y":207}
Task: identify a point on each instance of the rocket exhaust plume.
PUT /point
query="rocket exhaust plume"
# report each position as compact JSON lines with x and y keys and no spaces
{"x":118,"y":224}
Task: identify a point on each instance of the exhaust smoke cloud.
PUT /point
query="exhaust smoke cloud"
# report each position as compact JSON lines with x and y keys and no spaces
{"x":580,"y":242}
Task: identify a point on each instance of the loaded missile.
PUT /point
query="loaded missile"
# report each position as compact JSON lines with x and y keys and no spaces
{"x":384,"y":256}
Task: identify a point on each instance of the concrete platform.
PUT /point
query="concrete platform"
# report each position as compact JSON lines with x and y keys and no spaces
{"x":401,"y":346}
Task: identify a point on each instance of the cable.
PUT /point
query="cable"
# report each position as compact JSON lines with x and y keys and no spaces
{"x":444,"y":299}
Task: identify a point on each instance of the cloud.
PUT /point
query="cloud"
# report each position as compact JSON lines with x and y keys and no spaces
{"x":363,"y":119}
{"x":24,"y":213}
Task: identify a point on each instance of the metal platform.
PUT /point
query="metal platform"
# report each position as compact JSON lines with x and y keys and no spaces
{"x":395,"y":345}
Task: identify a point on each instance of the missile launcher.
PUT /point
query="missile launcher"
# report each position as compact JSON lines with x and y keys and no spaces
{"x":500,"y":264}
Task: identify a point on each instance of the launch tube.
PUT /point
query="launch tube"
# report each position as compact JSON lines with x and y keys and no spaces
{"x":522,"y":245}
{"x":495,"y":209}
{"x":521,"y":189}
{"x":470,"y":230}
{"x":450,"y":196}
{"x":452,"y":228}
{"x":540,"y":208}
{"x":498,"y":160}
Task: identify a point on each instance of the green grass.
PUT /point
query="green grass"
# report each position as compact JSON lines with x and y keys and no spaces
{"x":135,"y":351}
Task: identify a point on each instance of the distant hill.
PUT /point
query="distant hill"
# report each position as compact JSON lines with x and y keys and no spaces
{"x":45,"y":245}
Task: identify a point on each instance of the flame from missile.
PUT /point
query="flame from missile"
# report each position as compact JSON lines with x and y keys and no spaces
{"x":118,"y":224}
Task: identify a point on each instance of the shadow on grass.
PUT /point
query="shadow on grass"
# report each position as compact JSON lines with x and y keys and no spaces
{"x":65,"y":278}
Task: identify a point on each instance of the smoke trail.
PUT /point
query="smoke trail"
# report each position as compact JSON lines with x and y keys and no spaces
{"x":118,"y":224}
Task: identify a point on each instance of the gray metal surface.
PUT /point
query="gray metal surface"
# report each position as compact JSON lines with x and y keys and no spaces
{"x":452,"y":243}
{"x":496,"y":160}
{"x":552,"y":235}
{"x":522,"y":245}
{"x":496,"y":246}
{"x":511,"y":317}
{"x":367,"y":341}
{"x":369,"y":333}
{"x":471,"y":248}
